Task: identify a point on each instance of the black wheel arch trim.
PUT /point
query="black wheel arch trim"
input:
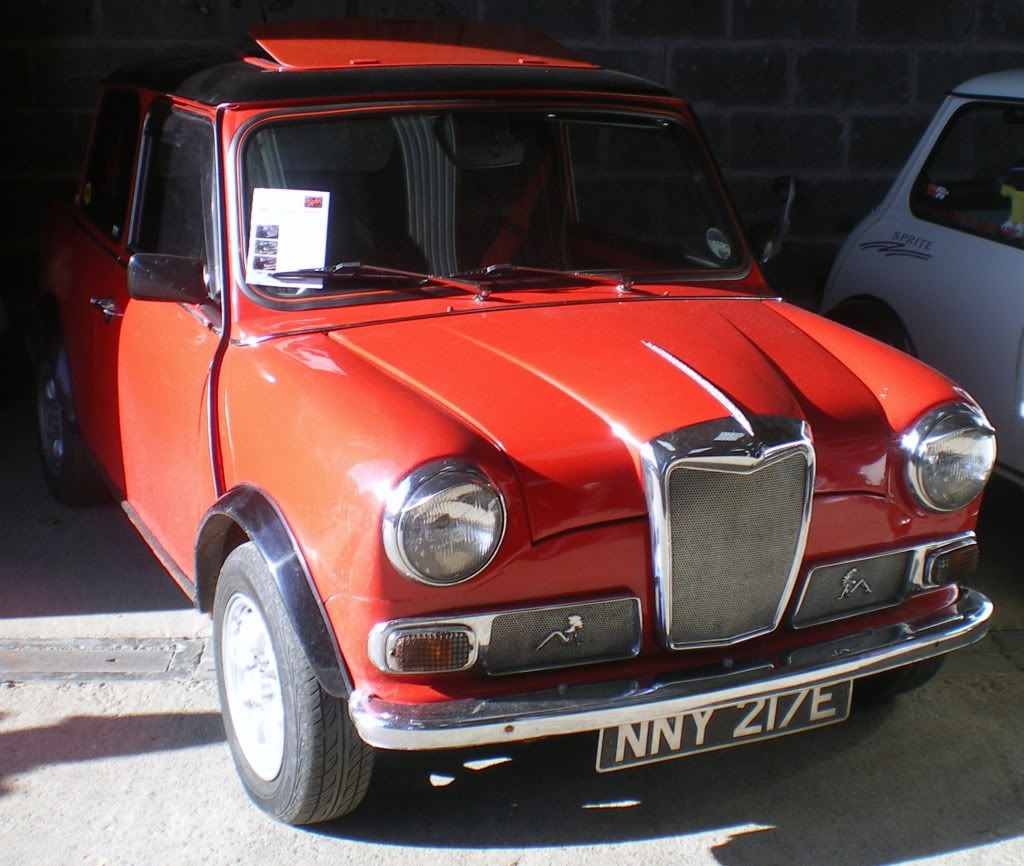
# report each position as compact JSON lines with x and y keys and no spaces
{"x":247,"y":511}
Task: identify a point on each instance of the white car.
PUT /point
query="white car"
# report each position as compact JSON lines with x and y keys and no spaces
{"x":936,"y":269}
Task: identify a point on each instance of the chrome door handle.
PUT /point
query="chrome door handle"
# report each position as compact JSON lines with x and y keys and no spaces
{"x":107,"y":306}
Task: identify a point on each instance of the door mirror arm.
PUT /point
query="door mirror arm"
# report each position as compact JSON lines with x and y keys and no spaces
{"x":766,"y":237}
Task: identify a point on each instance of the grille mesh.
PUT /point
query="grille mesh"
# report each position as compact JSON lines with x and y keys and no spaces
{"x":566,"y":635}
{"x":734,"y":540}
{"x":835,"y":591}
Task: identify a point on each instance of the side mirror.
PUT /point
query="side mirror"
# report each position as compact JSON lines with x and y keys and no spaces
{"x":158,"y":277}
{"x":766,"y":237}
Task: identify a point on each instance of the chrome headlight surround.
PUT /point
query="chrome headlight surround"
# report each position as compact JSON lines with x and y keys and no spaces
{"x":444,"y":523}
{"x":950,"y":455}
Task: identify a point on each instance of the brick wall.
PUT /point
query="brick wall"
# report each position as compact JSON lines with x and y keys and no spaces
{"x":834,"y":92}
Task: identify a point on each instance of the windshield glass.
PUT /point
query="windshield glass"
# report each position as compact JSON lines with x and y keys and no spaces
{"x":451,"y":192}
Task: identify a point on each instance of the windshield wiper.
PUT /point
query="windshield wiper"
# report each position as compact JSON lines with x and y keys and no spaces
{"x":346,"y":270}
{"x":475,"y":281}
{"x":509,"y":272}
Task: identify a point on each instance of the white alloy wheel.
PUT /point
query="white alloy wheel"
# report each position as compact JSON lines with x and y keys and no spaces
{"x":252,"y":684}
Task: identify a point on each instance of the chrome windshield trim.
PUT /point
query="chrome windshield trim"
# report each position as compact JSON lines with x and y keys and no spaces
{"x":723,"y":445}
{"x":578,"y":709}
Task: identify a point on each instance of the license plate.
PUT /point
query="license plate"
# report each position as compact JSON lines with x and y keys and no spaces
{"x":722,"y":726}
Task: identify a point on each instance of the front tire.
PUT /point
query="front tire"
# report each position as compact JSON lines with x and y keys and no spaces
{"x":295,"y":747}
{"x":884,"y":687}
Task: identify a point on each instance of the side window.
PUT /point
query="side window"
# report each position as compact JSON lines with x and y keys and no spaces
{"x":173,"y":204}
{"x":111,"y":162}
{"x":973,"y":180}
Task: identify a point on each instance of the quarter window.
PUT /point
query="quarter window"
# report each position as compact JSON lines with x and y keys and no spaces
{"x":174,"y":204}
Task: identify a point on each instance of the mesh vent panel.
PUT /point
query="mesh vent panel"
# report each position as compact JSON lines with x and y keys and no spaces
{"x":835,"y":591}
{"x":562,"y":636}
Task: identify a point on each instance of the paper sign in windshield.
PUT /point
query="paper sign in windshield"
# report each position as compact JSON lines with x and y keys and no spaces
{"x":288,"y":232}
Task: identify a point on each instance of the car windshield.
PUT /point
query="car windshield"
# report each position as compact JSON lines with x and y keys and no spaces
{"x":454,"y":192}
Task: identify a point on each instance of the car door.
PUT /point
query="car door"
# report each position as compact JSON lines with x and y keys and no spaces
{"x":87,"y":272}
{"x":165,"y":350}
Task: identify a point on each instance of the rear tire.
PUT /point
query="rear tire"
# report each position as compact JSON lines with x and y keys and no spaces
{"x":886,"y":686}
{"x":295,"y":747}
{"x":68,"y":469}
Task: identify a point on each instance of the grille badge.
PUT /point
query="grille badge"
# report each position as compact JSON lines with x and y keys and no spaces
{"x":851,"y":584}
{"x":572,"y":634}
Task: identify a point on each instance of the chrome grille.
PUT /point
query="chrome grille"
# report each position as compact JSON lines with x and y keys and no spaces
{"x":846,"y":588}
{"x":729,"y":507}
{"x":734,"y":537}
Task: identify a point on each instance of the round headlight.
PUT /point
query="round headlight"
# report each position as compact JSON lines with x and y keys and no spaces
{"x":951,"y":452}
{"x":443,"y":523}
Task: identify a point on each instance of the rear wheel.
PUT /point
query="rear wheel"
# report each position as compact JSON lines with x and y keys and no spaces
{"x":887,"y":685}
{"x":295,"y":747}
{"x":67,"y":467}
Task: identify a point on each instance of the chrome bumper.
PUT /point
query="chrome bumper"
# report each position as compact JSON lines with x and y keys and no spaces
{"x":575,"y":709}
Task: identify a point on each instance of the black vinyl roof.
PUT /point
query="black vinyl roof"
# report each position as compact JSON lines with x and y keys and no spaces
{"x":220,"y":79}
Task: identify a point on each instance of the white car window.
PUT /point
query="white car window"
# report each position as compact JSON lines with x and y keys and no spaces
{"x":973,"y":180}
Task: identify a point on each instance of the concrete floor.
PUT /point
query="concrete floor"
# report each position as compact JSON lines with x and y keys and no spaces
{"x":112,"y":752}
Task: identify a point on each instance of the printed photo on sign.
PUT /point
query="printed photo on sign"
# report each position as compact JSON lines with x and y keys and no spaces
{"x":289,"y":233}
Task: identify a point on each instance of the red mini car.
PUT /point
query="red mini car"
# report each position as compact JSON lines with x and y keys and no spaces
{"x":433,"y":362}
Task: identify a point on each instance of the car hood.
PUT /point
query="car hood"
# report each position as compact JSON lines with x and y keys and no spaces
{"x":571,"y":395}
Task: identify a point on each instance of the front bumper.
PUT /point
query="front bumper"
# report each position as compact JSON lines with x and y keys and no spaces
{"x":576,"y":709}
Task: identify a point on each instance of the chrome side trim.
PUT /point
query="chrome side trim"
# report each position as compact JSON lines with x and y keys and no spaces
{"x":723,"y":446}
{"x":577,"y":709}
{"x":723,"y":399}
{"x":918,"y":573}
{"x":479,"y":624}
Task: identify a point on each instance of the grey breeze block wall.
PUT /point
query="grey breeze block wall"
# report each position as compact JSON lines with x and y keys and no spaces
{"x":834,"y":93}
